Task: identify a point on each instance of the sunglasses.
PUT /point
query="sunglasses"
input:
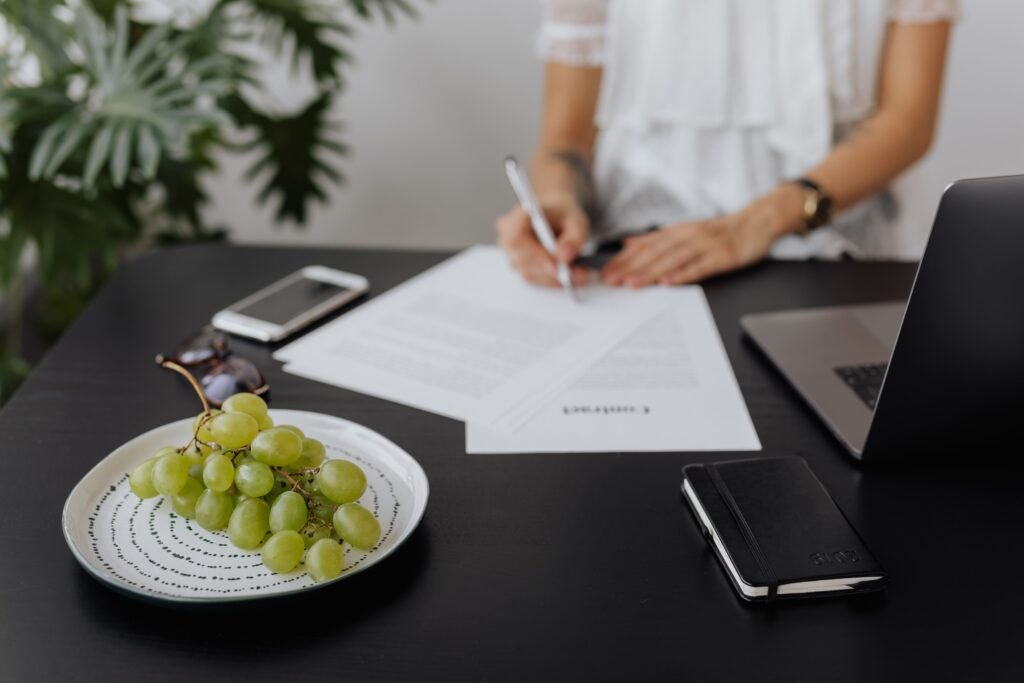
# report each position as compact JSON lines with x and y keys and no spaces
{"x":223,"y":372}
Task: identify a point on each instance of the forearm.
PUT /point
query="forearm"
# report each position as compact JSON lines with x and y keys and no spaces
{"x":565,"y":147}
{"x":896,"y":136}
{"x":882,"y":148}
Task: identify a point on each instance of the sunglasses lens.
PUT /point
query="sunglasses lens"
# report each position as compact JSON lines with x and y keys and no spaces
{"x":218,"y":387}
{"x":232,"y":376}
{"x":196,"y":356}
{"x":201,"y":348}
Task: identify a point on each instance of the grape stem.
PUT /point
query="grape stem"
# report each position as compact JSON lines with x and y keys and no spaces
{"x":297,"y":487}
{"x":204,"y":418}
{"x":171,"y":365}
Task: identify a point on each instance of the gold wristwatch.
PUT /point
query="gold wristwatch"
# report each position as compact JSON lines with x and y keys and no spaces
{"x":817,"y":204}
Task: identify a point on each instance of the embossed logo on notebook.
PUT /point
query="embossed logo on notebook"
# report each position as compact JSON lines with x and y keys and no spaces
{"x":835,"y":557}
{"x":606,"y":410}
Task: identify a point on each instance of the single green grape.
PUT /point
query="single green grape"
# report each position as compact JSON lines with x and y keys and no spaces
{"x":213,"y":509}
{"x":196,"y":456}
{"x":283,"y":551}
{"x":325,"y":559}
{"x":184,"y":502}
{"x":292,"y":428}
{"x":192,"y":455}
{"x":141,"y":480}
{"x":170,"y":472}
{"x":311,"y":533}
{"x":265,"y":422}
{"x":245,"y":402}
{"x":218,"y":472}
{"x":254,"y":479}
{"x":288,"y":512}
{"x":341,"y":481}
{"x":233,"y":430}
{"x":313,"y":453}
{"x":249,"y":523}
{"x":357,"y":526}
{"x":203,"y":432}
{"x":277,"y":446}
{"x":166,"y":450}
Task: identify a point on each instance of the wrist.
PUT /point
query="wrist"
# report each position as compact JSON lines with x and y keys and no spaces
{"x":817,"y":203}
{"x":781,"y":211}
{"x":563,"y":175}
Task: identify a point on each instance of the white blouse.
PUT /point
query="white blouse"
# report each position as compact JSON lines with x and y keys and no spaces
{"x":707,"y":104}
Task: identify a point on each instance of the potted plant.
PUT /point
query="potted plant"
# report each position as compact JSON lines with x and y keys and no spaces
{"x":112,"y":113}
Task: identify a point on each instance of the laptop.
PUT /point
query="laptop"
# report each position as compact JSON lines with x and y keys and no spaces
{"x":942,"y":374}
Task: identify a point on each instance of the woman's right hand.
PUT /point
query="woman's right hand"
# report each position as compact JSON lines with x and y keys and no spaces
{"x":571,"y":227}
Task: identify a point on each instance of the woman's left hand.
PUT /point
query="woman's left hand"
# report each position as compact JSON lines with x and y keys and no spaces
{"x":682,"y":253}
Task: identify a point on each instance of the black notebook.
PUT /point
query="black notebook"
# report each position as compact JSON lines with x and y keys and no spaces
{"x":777,"y":531}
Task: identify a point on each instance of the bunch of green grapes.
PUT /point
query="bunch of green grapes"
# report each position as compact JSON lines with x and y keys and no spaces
{"x":269,"y":486}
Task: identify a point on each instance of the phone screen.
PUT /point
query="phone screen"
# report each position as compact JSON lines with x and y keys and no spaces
{"x":291,"y":301}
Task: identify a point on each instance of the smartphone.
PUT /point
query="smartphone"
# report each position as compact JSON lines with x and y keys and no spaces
{"x":291,"y":303}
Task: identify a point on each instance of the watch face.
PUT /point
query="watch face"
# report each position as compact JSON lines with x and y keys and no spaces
{"x":811,"y":204}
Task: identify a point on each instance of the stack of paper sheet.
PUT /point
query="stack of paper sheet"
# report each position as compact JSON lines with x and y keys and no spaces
{"x":531,"y":370}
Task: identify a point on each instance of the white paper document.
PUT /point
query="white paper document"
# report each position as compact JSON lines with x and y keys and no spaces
{"x":470,"y":340}
{"x":668,"y":386}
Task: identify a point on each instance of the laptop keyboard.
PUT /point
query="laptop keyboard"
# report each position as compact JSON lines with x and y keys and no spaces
{"x":865,"y":380}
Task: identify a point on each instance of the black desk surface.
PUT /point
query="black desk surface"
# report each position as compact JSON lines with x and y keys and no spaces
{"x":542,"y":566}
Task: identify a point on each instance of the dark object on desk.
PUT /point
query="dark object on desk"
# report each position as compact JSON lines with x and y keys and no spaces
{"x":220,"y":371}
{"x":953,"y":382}
{"x":777,"y":532}
{"x":606,"y":250}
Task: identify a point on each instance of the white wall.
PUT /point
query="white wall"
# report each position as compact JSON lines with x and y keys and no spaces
{"x":434,"y":104}
{"x":982,"y":127}
{"x":431,"y":109}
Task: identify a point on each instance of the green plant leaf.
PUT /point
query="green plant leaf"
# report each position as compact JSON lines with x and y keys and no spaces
{"x":99,"y":151}
{"x":71,"y":137}
{"x":389,"y":9}
{"x":149,"y":151}
{"x":134,"y":89}
{"x":121,"y":155}
{"x":42,"y":154}
{"x":293,"y":155}
{"x":45,"y":37}
{"x":312,"y":27}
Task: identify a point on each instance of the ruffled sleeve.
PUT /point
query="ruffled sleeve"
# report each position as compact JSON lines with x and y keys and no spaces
{"x":573,"y":32}
{"x":923,"y":11}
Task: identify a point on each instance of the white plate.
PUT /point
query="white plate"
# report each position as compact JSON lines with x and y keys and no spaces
{"x":142,"y":547}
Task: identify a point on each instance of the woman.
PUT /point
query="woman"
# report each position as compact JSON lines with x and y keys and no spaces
{"x":740,"y":129}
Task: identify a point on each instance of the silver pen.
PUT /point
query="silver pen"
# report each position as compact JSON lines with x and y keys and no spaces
{"x":541,"y":228}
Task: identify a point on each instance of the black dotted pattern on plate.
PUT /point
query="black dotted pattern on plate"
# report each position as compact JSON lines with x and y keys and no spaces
{"x":149,"y":548}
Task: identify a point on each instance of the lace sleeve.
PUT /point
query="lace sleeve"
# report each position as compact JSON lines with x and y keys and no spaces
{"x":573,"y":32}
{"x":923,"y":11}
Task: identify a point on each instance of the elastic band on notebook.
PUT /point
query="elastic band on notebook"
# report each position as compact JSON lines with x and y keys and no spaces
{"x":748,"y":534}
